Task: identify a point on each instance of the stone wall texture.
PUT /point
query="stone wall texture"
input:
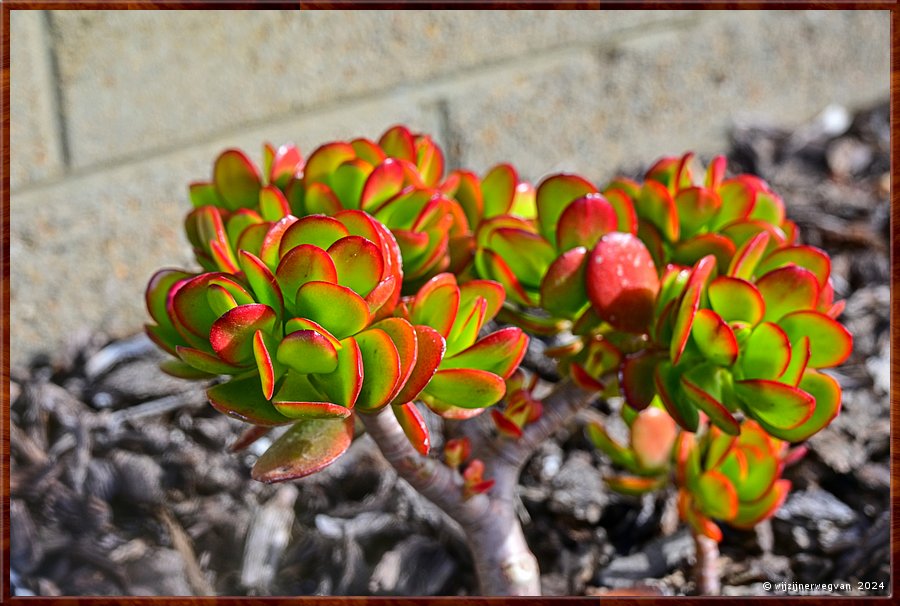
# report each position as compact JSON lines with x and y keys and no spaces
{"x":114,"y":112}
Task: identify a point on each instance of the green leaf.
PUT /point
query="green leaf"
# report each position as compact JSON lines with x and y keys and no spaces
{"x":299,"y":399}
{"x":655,"y":204}
{"x":563,"y":291}
{"x":465,"y":329}
{"x":748,"y":255}
{"x":231,"y":336}
{"x":242,"y":399}
{"x":687,"y":308}
{"x":736,"y":300}
{"x":777,"y":405}
{"x":670,"y":390}
{"x":398,"y":142}
{"x":638,"y":371}
{"x":324,"y":161}
{"x":204,"y":194}
{"x":714,"y":338}
{"x":466,"y":387}
{"x":338,"y":309}
{"x":750,"y":514}
{"x":342,"y":386}
{"x":384,"y":183}
{"x":696,"y":206}
{"x":263,"y":283}
{"x":490,"y":291}
{"x":270,"y":370}
{"x":498,"y":189}
{"x":348,"y":180}
{"x":717,"y":495}
{"x":381,"y":369}
{"x":830,"y":344}
{"x":826,"y":392}
{"x":808,"y":257}
{"x":306,"y":448}
{"x":358,"y":263}
{"x":766,"y":353}
{"x":304,"y":263}
{"x":690,"y":251}
{"x":206,"y":362}
{"x":788,"y":289}
{"x":584,"y":221}
{"x":273,"y":206}
{"x":696,"y":386}
{"x":500,"y":353}
{"x":437,"y":304}
{"x":553,"y":196}
{"x":528,"y":255}
{"x":430,"y":347}
{"x":236,"y":179}
{"x":307,"y":352}
{"x":413,"y":424}
{"x":319,"y":199}
{"x":316,"y":230}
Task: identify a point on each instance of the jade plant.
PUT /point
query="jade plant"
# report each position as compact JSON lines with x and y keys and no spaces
{"x":350,"y":292}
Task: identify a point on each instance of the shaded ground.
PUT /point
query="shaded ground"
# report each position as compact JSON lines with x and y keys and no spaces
{"x":122,"y":482}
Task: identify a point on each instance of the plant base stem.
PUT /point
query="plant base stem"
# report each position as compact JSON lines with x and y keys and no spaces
{"x":706,"y":572}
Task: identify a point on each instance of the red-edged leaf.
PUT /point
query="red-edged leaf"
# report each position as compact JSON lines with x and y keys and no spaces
{"x":348,"y":180}
{"x":381,"y":368}
{"x":829,"y":342}
{"x":637,"y":378}
{"x":182,"y":370}
{"x":465,"y":329}
{"x":316,"y":230}
{"x":158,"y":295}
{"x":398,"y":142}
{"x":553,"y":196}
{"x":272,"y":204}
{"x":528,"y":255}
{"x":466,"y":388}
{"x":767,"y":352}
{"x":270,"y":249}
{"x":492,"y":266}
{"x":808,"y":257}
{"x":403,"y":335}
{"x":500,"y":353}
{"x":800,"y":354}
{"x":325,"y":160}
{"x":748,"y":255}
{"x":563,"y":291}
{"x":430,"y":347}
{"x":299,"y":399}
{"x":584,"y":379}
{"x":738,"y":199}
{"x":490,"y":291}
{"x":307,"y":447}
{"x":384,"y":183}
{"x":717,"y":496}
{"x":634,"y":485}
{"x":714,"y":338}
{"x":715,"y":172}
{"x":368,"y":150}
{"x":626,"y":217}
{"x":286,"y":162}
{"x":206,"y":362}
{"x":652,"y":438}
{"x":231,"y":336}
{"x":304,"y":263}
{"x":690,"y":251}
{"x":827,"y":394}
{"x":584,"y":221}
{"x":343,"y":385}
{"x":788,"y":289}
{"x":248,"y":437}
{"x":437,"y":303}
{"x":655,"y":204}
{"x":713,"y":408}
{"x":338,"y":309}
{"x":736,"y":300}
{"x":429,"y":160}
{"x":750,"y":514}
{"x":320,"y":199}
{"x":308,"y":352}
{"x":696,"y":206}
{"x":413,"y":424}
{"x":236,"y":179}
{"x":622,"y":282}
{"x":358,"y":262}
{"x":269,"y":369}
{"x":498,"y":189}
{"x":203,"y":194}
{"x":505,"y":426}
{"x":777,"y":405}
{"x":242,"y":399}
{"x":262,"y":281}
{"x":668,"y":385}
{"x":687,"y":309}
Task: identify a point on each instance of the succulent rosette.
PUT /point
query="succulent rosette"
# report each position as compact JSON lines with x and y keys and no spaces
{"x":681,"y":221}
{"x":471,"y":375}
{"x":732,"y":479}
{"x":396,"y":180}
{"x":751,"y":341}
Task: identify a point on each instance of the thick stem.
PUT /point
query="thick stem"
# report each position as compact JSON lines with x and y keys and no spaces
{"x":503,"y":561}
{"x":706,"y":571}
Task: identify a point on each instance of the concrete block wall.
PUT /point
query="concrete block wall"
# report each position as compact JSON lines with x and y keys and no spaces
{"x":114,"y":112}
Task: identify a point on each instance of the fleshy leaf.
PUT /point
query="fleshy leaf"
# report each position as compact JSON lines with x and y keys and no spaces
{"x":714,"y":338}
{"x":766,"y":353}
{"x":637,"y":379}
{"x":750,"y":514}
{"x":827,"y":394}
{"x":338,"y":309}
{"x":270,"y":370}
{"x":242,"y":399}
{"x":800,"y":353}
{"x":622,"y":282}
{"x":384,"y":183}
{"x":655,"y":204}
{"x":498,"y":189}
{"x":358,"y":262}
{"x":743,"y":264}
{"x":319,"y":199}
{"x":626,"y":217}
{"x":325,"y":160}
{"x":584,"y":221}
{"x":563,"y":291}
{"x":342,"y":386}
{"x":499,"y":353}
{"x":437,"y":304}
{"x":263,"y":283}
{"x":206,"y":362}
{"x":413,"y":424}
{"x":381,"y":368}
{"x":553,"y":195}
{"x":490,"y":291}
{"x":669,"y":388}
{"x":634,"y":485}
{"x":788,"y":289}
{"x":777,"y":405}
{"x":696,"y":206}
{"x":709,"y":404}
{"x":829,"y":342}
{"x":307,"y":447}
{"x":304,"y":263}
{"x":308,"y":352}
{"x":687,"y":309}
{"x":317,"y":230}
{"x":466,"y":388}
{"x":808,"y":257}
{"x":430,"y":347}
{"x":299,"y":399}
{"x":690,"y":251}
{"x":717,"y":495}
{"x":465,"y":329}
{"x":236,"y":179}
{"x":272,"y":204}
{"x":736,"y":300}
{"x":231,"y":336}
{"x":528,"y":255}
{"x":652,"y":438}
{"x":492,"y":266}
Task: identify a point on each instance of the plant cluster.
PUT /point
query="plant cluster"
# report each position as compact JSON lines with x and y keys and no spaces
{"x":360,"y":279}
